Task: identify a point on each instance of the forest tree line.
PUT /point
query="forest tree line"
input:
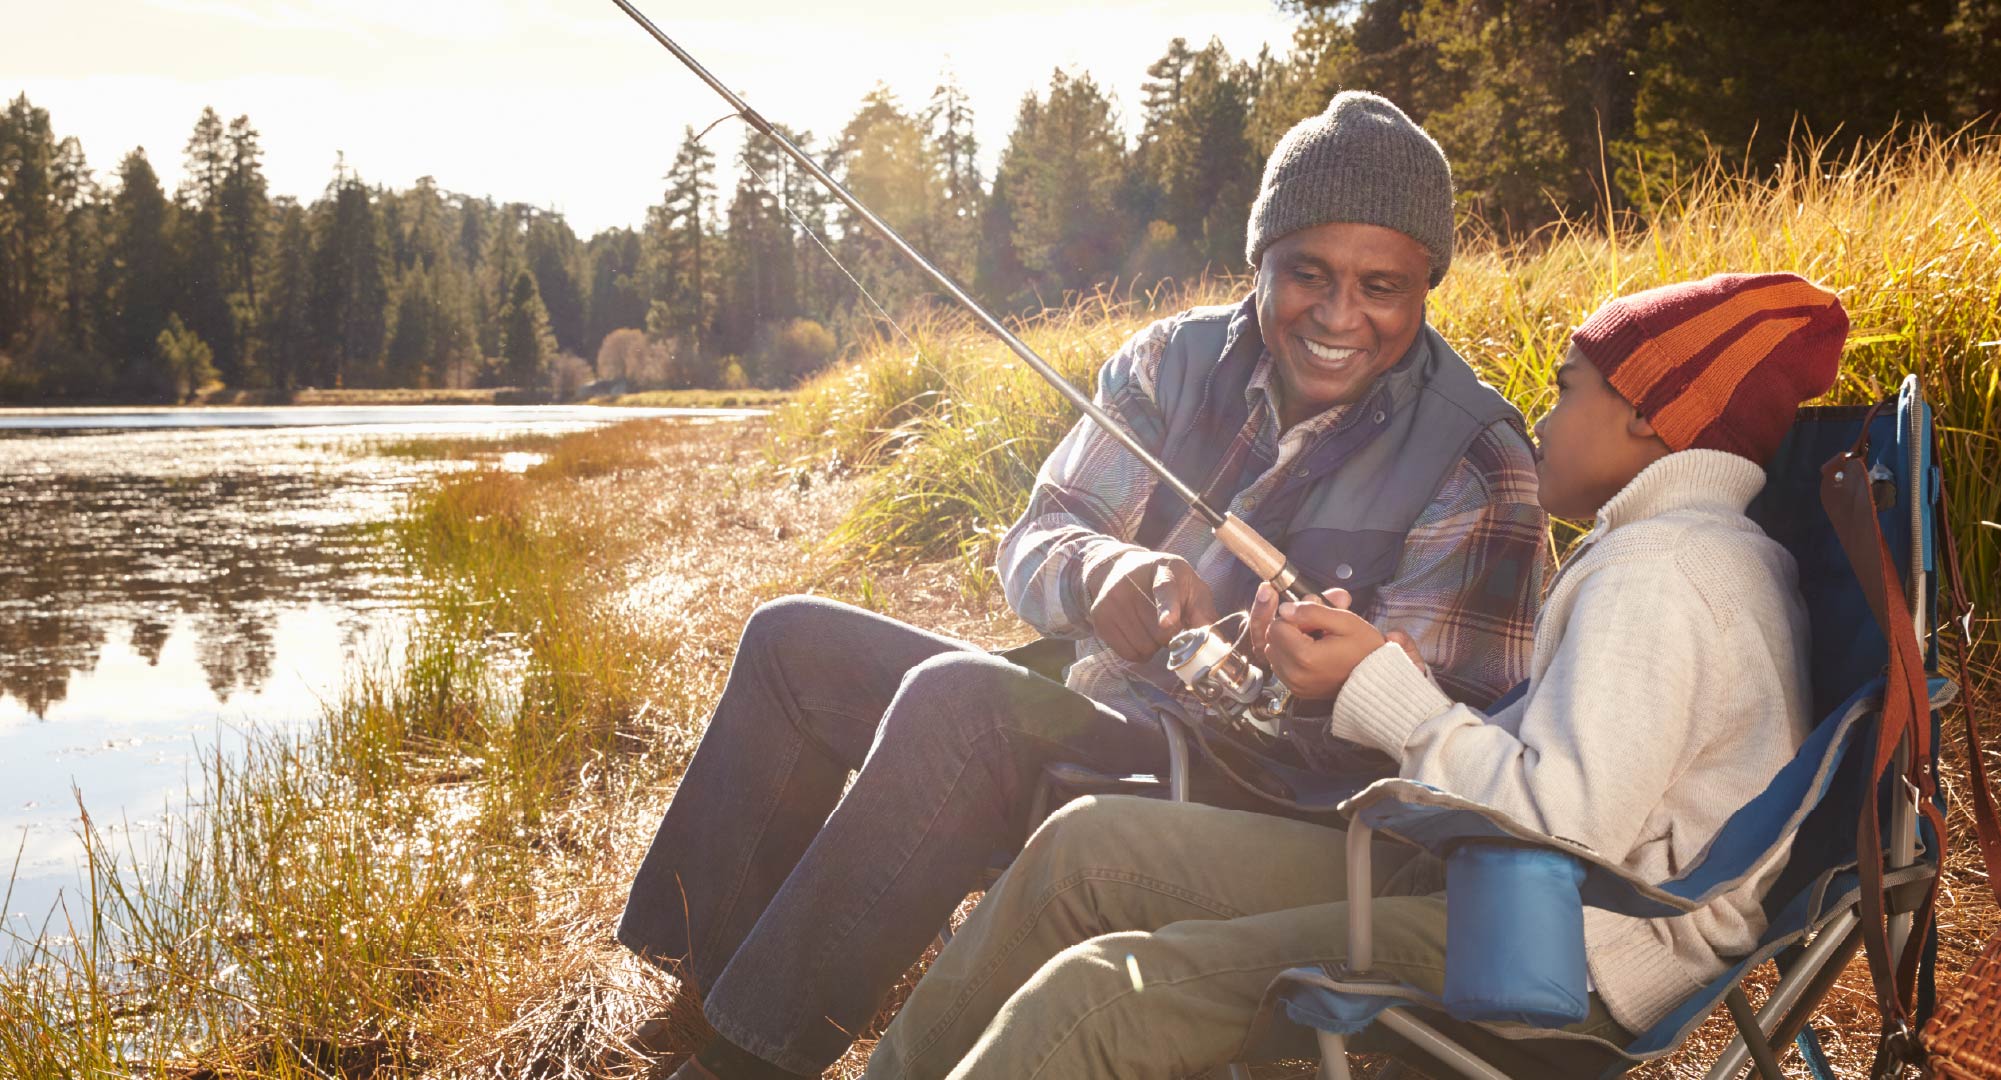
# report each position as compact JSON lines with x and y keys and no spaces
{"x":112,"y":288}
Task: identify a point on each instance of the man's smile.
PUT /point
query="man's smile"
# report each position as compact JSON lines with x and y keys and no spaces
{"x":1330,"y":358}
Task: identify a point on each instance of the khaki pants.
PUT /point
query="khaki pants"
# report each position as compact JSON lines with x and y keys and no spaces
{"x":1137,"y":938}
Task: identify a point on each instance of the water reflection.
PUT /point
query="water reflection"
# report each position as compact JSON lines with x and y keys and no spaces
{"x":214,"y":532}
{"x":161,"y":589}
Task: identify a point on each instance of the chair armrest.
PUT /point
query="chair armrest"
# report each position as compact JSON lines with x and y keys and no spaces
{"x":1439,"y":821}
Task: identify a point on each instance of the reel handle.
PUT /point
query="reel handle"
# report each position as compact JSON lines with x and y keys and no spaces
{"x":1263,"y":557}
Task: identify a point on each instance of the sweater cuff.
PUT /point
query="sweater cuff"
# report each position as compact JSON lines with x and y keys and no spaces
{"x":1385,"y":698}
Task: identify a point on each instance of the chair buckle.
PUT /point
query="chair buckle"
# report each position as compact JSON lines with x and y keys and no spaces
{"x":1898,"y":1050}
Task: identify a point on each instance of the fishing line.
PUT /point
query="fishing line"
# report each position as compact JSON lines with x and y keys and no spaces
{"x":1259,"y":554}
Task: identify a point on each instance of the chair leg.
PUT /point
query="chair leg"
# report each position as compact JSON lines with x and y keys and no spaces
{"x":1177,"y":760}
{"x":1754,"y":1036}
{"x":1800,"y":990}
{"x":1333,"y":1056}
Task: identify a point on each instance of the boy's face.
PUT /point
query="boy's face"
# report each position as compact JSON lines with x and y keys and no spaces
{"x":1338,"y":304}
{"x":1590,"y":444}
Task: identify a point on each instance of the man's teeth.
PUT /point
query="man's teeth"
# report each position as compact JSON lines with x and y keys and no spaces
{"x":1327,"y":352}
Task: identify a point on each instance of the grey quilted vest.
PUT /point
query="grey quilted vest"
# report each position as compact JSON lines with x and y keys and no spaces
{"x":1342,"y":514}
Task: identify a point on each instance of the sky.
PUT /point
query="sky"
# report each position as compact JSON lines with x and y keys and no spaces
{"x":563,"y":104}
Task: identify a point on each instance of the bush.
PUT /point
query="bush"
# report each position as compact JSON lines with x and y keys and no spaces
{"x":567,"y":375}
{"x":186,"y":361}
{"x":797,"y":349}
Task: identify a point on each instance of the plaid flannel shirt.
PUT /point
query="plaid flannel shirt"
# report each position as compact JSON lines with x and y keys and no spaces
{"x":1484,"y":524}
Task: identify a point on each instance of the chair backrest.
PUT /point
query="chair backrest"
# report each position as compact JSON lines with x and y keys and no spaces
{"x":1848,"y":649}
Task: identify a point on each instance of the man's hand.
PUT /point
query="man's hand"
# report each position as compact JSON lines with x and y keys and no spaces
{"x":1146,"y":599}
{"x":1313,"y":649}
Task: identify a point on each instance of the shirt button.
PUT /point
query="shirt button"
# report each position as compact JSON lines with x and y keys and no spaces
{"x":1344,"y":571}
{"x":1381,"y":416}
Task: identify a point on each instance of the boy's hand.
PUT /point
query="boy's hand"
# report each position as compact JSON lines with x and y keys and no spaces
{"x":1146,"y":599}
{"x":1313,"y":649}
{"x":1264,"y":607}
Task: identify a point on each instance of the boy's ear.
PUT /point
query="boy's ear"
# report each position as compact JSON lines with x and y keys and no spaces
{"x":1638,"y":427}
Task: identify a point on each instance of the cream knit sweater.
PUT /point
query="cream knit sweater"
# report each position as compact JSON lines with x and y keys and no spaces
{"x":1667,"y":687}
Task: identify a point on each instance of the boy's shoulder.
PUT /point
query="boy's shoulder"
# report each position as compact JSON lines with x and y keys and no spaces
{"x":1724,"y":559}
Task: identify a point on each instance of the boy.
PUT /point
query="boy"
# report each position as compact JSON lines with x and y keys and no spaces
{"x":1668,"y":684}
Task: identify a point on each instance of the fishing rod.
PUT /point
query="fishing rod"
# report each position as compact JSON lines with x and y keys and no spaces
{"x":1263,"y":558}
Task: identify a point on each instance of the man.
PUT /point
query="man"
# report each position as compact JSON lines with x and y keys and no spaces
{"x":1323,"y":410}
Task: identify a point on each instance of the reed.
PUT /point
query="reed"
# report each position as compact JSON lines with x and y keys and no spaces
{"x":351,"y":900}
{"x":1907,"y":232}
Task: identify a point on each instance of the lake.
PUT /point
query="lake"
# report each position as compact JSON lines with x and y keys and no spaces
{"x":171,"y":579}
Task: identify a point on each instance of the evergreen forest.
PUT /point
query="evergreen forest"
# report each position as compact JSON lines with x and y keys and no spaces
{"x":114,"y":289}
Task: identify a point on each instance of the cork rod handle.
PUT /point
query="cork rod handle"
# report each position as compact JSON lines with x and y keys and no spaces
{"x":1264,"y":559}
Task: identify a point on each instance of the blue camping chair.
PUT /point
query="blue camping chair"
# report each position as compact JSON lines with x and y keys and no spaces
{"x":1515,"y":961}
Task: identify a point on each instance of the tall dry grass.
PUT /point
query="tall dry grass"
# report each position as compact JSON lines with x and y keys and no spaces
{"x":1908,"y":233}
{"x":366,"y":898}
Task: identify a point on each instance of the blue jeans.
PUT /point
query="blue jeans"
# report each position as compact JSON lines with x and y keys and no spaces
{"x":794,"y":908}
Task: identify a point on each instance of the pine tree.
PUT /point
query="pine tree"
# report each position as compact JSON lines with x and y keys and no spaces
{"x":1066,"y":163}
{"x":30,"y":220}
{"x":139,"y":276}
{"x":1160,"y":96}
{"x":555,"y":258}
{"x":526,"y":344}
{"x":1206,"y":168}
{"x":999,"y":275}
{"x":674,"y":255}
{"x":413,"y":344}
{"x":350,"y":286}
{"x":245,"y":215}
{"x":78,"y":369}
{"x":760,"y":284}
{"x":618,"y":296}
{"x":497,"y":265}
{"x":206,"y":264}
{"x":805,"y":206}
{"x":455,"y":356}
{"x":288,"y":331}
{"x":955,"y":155}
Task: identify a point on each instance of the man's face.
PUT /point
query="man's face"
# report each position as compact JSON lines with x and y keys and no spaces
{"x":1590,"y":444}
{"x":1338,"y":304}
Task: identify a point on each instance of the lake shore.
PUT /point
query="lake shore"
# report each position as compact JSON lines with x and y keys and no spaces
{"x":751,"y":397}
{"x":427,"y":882}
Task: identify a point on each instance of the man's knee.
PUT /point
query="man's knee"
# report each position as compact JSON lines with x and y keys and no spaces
{"x":961,"y":695}
{"x":788,"y":623}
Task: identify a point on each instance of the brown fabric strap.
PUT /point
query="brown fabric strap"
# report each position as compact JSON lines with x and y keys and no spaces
{"x":1845,"y":493}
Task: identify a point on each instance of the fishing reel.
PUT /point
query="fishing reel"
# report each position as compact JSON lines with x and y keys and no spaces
{"x":1212,"y":663}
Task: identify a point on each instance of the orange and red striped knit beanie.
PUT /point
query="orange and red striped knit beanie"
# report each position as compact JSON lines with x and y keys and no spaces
{"x":1721,"y":363}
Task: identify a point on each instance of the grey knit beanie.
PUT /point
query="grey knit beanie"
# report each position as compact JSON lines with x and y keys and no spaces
{"x":1362,"y":161}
